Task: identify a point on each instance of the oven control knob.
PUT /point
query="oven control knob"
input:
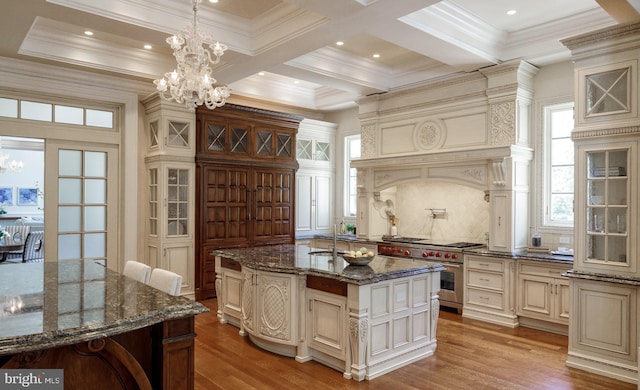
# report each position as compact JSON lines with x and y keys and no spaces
{"x":437,"y":254}
{"x":407,"y":253}
{"x":446,"y":255}
{"x":431,"y":254}
{"x":424,"y":254}
{"x":398,"y":250}
{"x":454,"y":256}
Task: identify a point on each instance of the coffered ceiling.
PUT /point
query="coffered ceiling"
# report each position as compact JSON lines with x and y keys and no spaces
{"x":286,"y":51}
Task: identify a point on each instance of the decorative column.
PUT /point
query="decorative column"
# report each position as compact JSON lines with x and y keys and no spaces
{"x":510,"y":94}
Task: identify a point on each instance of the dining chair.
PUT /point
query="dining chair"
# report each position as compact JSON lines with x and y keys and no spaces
{"x":34,"y":248}
{"x":165,"y":280}
{"x":137,"y":270}
{"x":17,"y":234}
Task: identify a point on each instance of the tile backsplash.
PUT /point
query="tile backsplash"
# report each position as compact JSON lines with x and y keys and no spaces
{"x":466,"y":217}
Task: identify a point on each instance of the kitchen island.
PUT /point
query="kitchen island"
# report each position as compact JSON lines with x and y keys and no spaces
{"x":361,"y":320}
{"x":103,"y":329}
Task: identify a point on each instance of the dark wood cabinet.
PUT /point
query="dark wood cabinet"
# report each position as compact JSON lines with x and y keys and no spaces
{"x":245,"y":183}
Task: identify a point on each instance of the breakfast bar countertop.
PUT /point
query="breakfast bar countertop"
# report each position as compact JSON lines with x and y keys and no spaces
{"x":52,"y":304}
{"x":302,"y":259}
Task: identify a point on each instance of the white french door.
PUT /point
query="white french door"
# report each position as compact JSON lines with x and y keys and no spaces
{"x":81,"y":202}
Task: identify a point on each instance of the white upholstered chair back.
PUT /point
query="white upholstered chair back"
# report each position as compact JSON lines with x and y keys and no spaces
{"x":18,"y":233}
{"x":137,"y":270}
{"x":167,"y":281}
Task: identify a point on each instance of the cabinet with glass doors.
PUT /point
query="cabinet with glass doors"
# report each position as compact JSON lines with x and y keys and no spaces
{"x":170,"y":151}
{"x":605,"y":204}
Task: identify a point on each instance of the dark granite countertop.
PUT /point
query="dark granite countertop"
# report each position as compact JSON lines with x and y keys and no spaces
{"x":523,"y":255}
{"x":297,"y":259}
{"x":50,"y":304}
{"x":628,"y":280}
{"x":343,"y":237}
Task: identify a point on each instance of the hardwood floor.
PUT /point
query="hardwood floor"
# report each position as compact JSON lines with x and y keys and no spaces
{"x":470,"y":355}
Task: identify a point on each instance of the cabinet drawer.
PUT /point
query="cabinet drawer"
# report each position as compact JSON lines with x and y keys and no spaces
{"x":485,"y":280}
{"x":331,"y":286}
{"x":485,"y":264}
{"x":230,"y":264}
{"x":531,"y":268}
{"x":490,"y":299}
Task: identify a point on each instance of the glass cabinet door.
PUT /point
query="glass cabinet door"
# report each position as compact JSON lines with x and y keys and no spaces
{"x":177,"y":202}
{"x":607,"y":208}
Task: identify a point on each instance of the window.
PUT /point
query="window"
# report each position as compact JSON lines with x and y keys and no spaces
{"x":352,"y":151}
{"x":559,"y":165}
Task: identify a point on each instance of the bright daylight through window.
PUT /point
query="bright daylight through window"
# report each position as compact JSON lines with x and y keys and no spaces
{"x":559,"y":165}
{"x":352,"y":151}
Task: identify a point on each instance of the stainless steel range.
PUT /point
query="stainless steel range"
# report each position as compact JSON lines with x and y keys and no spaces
{"x":447,"y":254}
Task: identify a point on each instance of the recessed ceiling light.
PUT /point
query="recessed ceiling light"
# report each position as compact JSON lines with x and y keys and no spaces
{"x":376,"y":55}
{"x":148,"y":46}
{"x":296,"y":82}
{"x":339,"y":43}
{"x":213,"y":1}
{"x":511,"y":12}
{"x":260,"y":73}
{"x":89,"y":33}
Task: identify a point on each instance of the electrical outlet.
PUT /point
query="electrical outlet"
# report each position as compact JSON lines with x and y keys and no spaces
{"x":564,"y":240}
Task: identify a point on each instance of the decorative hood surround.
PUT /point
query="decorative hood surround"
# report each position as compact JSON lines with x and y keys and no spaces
{"x":471,"y":130}
{"x":482,"y":169}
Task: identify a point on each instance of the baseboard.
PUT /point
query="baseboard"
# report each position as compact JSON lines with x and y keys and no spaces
{"x":510,"y":321}
{"x":625,"y":373}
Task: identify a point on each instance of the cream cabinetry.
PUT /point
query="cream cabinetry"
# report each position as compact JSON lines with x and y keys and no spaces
{"x":543,"y":293}
{"x":170,"y":221}
{"x":489,"y":289}
{"x":315,"y":193}
{"x":229,"y":281}
{"x":314,"y":202}
{"x":327,"y":320}
{"x":607,"y":182}
{"x":604,"y":333}
{"x":267,"y":308}
{"x":603,"y":318}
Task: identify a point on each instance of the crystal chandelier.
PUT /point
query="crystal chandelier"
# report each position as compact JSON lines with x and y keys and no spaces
{"x":10,"y":166}
{"x":191,"y":83}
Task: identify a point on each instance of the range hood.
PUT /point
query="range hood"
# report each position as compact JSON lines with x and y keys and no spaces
{"x":484,"y":169}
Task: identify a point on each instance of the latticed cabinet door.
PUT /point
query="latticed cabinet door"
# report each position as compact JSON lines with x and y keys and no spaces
{"x":275,"y":306}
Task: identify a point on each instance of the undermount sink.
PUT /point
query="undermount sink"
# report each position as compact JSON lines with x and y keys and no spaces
{"x":326,"y":252}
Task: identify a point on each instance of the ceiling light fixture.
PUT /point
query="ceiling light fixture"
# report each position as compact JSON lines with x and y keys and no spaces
{"x":192,"y":83}
{"x":88,"y":33}
{"x":511,"y":12}
{"x":339,"y":43}
{"x":148,"y":46}
{"x":11,"y":166}
{"x":376,"y":55}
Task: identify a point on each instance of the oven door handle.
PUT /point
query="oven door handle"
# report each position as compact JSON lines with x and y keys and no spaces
{"x":450,"y":265}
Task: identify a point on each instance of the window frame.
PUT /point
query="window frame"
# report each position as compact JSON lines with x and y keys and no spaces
{"x":348,"y":176}
{"x":547,"y":167}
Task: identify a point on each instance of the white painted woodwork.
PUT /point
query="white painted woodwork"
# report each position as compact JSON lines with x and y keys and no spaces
{"x":170,"y":144}
{"x":315,"y":179}
{"x":424,"y":137}
{"x":489,"y":289}
{"x":604,"y":333}
{"x":229,"y":299}
{"x":543,"y":293}
{"x":603,"y":321}
{"x":327,"y":324}
{"x":375,"y":329}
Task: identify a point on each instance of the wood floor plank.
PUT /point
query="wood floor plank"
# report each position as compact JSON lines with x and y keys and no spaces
{"x":470,"y":355}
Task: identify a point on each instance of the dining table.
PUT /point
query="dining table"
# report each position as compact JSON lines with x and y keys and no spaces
{"x":8,"y":245}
